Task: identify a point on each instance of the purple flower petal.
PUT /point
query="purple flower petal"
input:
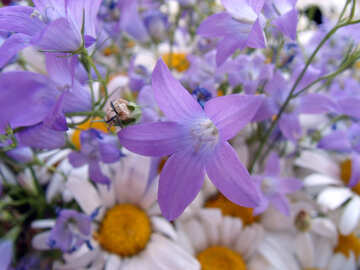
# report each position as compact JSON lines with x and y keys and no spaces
{"x":272,"y":166}
{"x":19,"y":89}
{"x":336,"y":141}
{"x":257,"y":5}
{"x":96,"y":174}
{"x":263,"y":205}
{"x":61,"y":68}
{"x":316,"y":103}
{"x":226,"y":47}
{"x":350,"y":106}
{"x":6,"y":251}
{"x":355,"y":170}
{"x":231,"y":113}
{"x":77,"y":159}
{"x":50,"y":40}
{"x":19,"y":19}
{"x":56,"y":119}
{"x":287,"y":23}
{"x":290,"y":126}
{"x":41,"y":137}
{"x":240,"y":10}
{"x":109,"y":149}
{"x":131,"y":22}
{"x":12,"y":46}
{"x":231,"y":177}
{"x":288,"y":185}
{"x":173,"y":99}
{"x":153,"y":139}
{"x":21,"y":154}
{"x":256,"y":38}
{"x":282,"y":204}
{"x":180,"y":181}
{"x":217,"y":25}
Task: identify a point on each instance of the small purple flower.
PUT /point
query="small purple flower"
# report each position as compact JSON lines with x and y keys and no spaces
{"x":71,"y":230}
{"x":278,"y":89}
{"x":38,"y":103}
{"x":196,"y":140}
{"x":96,"y":147}
{"x":273,"y":188}
{"x":43,"y":24}
{"x":284,"y":16}
{"x":239,"y":27}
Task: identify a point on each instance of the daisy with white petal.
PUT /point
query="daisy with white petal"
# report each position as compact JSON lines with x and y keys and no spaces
{"x":330,"y":182}
{"x":217,"y":241}
{"x":127,"y":232}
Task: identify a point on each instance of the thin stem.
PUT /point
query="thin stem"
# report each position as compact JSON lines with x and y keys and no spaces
{"x":292,"y":91}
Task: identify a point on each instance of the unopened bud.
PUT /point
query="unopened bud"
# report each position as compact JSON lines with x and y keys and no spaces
{"x":303,"y":221}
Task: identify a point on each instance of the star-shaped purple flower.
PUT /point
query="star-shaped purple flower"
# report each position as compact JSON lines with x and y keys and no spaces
{"x":274,"y":188}
{"x":196,"y":140}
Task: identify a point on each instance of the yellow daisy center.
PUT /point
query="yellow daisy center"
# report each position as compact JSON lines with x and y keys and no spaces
{"x":229,"y":208}
{"x":178,"y":61}
{"x":125,"y":230}
{"x":347,"y":244}
{"x":95,"y":123}
{"x":219,"y":257}
{"x":345,"y":167}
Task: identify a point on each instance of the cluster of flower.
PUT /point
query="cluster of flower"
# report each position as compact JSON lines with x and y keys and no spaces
{"x":179,"y":134}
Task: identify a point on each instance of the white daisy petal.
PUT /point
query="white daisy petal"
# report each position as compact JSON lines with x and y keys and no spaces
{"x":211,"y":220}
{"x":320,"y":179}
{"x":333,"y":197}
{"x":43,"y":224}
{"x":305,"y":249}
{"x":163,"y":226}
{"x":196,"y":234}
{"x":85,"y":194}
{"x":318,"y":162}
{"x":168,"y":255}
{"x":350,"y":217}
{"x":325,"y":228}
{"x":113,"y":263}
{"x":41,"y":240}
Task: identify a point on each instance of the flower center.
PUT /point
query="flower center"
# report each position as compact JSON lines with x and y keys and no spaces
{"x":303,"y":221}
{"x":178,"y":61}
{"x":125,"y":230}
{"x":230,"y":209}
{"x":267,"y":186}
{"x":205,"y":134}
{"x":347,"y":244}
{"x":218,"y":257}
{"x":346,"y":167}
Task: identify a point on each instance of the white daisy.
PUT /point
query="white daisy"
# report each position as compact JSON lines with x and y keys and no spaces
{"x":217,"y":241}
{"x":330,"y":184}
{"x":128,"y":232}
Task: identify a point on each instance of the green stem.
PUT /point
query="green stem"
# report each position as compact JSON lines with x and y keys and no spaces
{"x":292,"y":91}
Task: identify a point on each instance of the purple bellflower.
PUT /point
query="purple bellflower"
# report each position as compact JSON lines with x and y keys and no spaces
{"x":131,"y":21}
{"x":284,"y":16}
{"x":196,"y":140}
{"x":43,"y":24}
{"x":273,"y":188}
{"x":289,"y":123}
{"x":72,"y":229}
{"x":342,"y":141}
{"x":239,"y":27}
{"x":96,"y":147}
{"x":38,"y":103}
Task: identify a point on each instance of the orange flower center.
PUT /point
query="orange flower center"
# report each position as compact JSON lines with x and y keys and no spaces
{"x":228,"y":208}
{"x":219,"y":257}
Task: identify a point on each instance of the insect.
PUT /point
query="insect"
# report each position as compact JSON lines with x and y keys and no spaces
{"x":118,"y":112}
